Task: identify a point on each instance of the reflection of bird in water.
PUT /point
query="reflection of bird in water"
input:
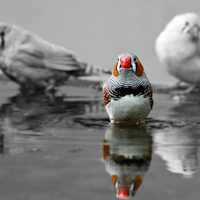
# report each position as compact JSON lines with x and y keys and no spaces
{"x":127,"y":93}
{"x":179,"y":148}
{"x":178,"y":48}
{"x":36,"y":64}
{"x":36,"y":112}
{"x":127,"y":156}
{"x":25,"y":118}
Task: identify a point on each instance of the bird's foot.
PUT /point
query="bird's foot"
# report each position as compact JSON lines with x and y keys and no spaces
{"x":50,"y":92}
{"x":179,"y":85}
{"x":50,"y":89}
{"x":186,"y":90}
{"x":182,"y":94}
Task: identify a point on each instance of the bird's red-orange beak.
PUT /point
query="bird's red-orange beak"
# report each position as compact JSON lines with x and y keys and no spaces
{"x":125,"y":61}
{"x":123,"y":192}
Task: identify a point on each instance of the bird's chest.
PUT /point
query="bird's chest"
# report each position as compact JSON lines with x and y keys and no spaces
{"x":172,"y":49}
{"x":9,"y":54}
{"x":129,"y":108}
{"x":188,"y":70}
{"x":12,"y":49}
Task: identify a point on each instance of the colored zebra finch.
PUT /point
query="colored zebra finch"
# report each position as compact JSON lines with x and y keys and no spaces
{"x":127,"y":93}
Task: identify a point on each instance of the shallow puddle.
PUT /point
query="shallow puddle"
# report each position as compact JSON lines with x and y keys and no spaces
{"x":65,"y":148}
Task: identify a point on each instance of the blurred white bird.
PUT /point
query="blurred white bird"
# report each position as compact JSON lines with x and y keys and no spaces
{"x":36,"y":64}
{"x":178,"y":48}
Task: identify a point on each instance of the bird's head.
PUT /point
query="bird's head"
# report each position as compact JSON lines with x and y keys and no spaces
{"x":186,"y":25}
{"x":5,"y":29}
{"x":126,"y":64}
{"x":126,"y":187}
{"x":181,"y":33}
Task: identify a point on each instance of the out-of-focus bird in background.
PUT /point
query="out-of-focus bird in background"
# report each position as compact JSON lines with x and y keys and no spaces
{"x":36,"y":64}
{"x":128,"y":92}
{"x":178,"y":48}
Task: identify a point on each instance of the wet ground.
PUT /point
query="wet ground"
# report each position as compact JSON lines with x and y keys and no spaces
{"x":65,"y":148}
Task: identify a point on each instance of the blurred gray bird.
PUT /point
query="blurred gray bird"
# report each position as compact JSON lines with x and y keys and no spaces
{"x":36,"y":64}
{"x":178,"y":48}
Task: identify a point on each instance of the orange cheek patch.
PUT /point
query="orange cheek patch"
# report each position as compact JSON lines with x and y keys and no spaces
{"x":138,"y":182}
{"x":106,"y":151}
{"x":140,"y":68}
{"x":115,"y":71}
{"x":114,"y":179}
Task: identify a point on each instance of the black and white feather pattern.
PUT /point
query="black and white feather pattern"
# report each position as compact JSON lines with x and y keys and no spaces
{"x":120,"y":86}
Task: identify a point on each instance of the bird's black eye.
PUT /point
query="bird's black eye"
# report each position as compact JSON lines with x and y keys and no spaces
{"x":185,"y":26}
{"x":134,"y":59}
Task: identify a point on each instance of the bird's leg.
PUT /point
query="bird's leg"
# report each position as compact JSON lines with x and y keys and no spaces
{"x":181,"y":88}
{"x":177,"y":84}
{"x":180,"y":85}
{"x":190,"y":89}
{"x":50,"y":87}
{"x":2,"y":36}
{"x":186,"y":91}
{"x":50,"y":90}
{"x":50,"y":94}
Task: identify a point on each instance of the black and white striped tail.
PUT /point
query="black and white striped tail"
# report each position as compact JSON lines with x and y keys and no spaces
{"x":89,"y":70}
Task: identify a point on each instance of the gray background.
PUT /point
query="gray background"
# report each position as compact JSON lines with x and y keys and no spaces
{"x":99,"y":30}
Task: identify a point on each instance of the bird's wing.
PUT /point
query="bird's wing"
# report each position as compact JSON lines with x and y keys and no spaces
{"x":106,"y":94}
{"x":36,"y":52}
{"x":31,"y":50}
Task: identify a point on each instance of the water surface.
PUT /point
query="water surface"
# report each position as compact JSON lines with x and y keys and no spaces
{"x":65,"y":148}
